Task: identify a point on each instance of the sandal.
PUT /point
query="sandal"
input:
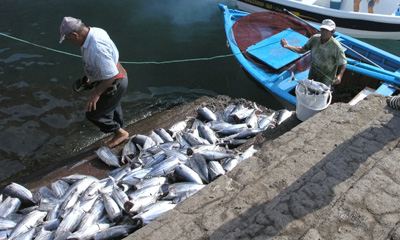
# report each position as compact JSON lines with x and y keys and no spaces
{"x":82,"y":84}
{"x":393,"y":102}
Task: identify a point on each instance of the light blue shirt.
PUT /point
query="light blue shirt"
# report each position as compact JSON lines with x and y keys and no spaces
{"x":99,"y":55}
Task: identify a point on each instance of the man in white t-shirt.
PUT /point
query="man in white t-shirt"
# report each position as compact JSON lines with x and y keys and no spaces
{"x":103,"y":71}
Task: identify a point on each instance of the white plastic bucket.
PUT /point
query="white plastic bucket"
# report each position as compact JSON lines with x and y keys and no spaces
{"x":307,"y":105}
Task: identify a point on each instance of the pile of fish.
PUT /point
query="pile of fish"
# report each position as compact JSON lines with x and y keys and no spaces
{"x":152,"y":175}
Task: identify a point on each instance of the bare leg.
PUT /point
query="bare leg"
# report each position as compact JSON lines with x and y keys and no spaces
{"x":357,"y":5}
{"x":370,"y":9}
{"x":119,"y":136}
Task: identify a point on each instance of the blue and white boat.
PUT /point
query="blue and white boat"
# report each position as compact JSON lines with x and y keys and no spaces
{"x":384,"y":23}
{"x":255,"y":41}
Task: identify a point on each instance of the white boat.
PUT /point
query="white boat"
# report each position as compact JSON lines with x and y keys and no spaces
{"x":384,"y":23}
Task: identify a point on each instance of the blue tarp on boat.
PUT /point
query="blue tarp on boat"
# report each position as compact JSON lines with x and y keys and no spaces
{"x":273,"y":54}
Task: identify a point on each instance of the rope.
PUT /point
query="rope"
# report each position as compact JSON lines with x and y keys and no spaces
{"x":40,"y":46}
{"x":151,"y":62}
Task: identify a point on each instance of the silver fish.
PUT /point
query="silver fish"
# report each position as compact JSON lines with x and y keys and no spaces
{"x":215,"y":170}
{"x":92,"y":191}
{"x":227,"y":112}
{"x":177,"y":127}
{"x":153,"y":211}
{"x":51,"y":225}
{"x":119,"y":196}
{"x":156,"y":138}
{"x":246,"y":154}
{"x":53,"y":213}
{"x":70,"y":222}
{"x":134,"y":206}
{"x":208,"y":134}
{"x":115,"y":232}
{"x":89,"y":232}
{"x":27,"y":235}
{"x":252,"y":120}
{"x":97,"y":209}
{"x":114,"y":213}
{"x":150,"y":161}
{"x":207,"y":114}
{"x":143,"y":140}
{"x":145,"y":192}
{"x":128,"y":152}
{"x":154,"y":181}
{"x":248,"y":133}
{"x":182,"y":189}
{"x":43,"y":234}
{"x":242,"y":114}
{"x":218,"y":125}
{"x":30,"y":221}
{"x":215,"y":155}
{"x":188,"y":173}
{"x":312,"y":85}
{"x":6,"y":223}
{"x":135,"y":176}
{"x":194,"y":139}
{"x":71,"y":179}
{"x":283,"y":115}
{"x":230,"y":163}
{"x":164,"y":135}
{"x":266,"y":121}
{"x":182,"y":141}
{"x":9,"y":206}
{"x":108,"y":156}
{"x":172,"y":153}
{"x":236,"y":128}
{"x":59,"y":187}
{"x":71,"y":200}
{"x":18,"y":191}
{"x":165,"y":167}
{"x":199,"y":164}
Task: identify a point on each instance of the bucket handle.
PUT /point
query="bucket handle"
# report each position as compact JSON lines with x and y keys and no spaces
{"x":319,"y":109}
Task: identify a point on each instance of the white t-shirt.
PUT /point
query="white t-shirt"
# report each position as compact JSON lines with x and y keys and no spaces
{"x":99,"y":55}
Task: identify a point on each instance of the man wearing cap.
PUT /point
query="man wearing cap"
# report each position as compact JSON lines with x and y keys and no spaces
{"x":100,"y":61}
{"x":328,"y":61}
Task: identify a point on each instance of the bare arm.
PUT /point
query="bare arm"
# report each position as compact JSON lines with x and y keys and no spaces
{"x":285,"y":44}
{"x":95,"y":95}
{"x":339,"y":74}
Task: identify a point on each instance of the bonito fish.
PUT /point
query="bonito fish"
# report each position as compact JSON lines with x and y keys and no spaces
{"x":155,"y":173}
{"x":314,"y":86}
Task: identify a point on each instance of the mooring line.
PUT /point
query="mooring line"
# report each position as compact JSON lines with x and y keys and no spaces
{"x":125,"y":62}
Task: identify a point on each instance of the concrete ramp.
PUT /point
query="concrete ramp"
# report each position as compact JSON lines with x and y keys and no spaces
{"x":334,"y":176}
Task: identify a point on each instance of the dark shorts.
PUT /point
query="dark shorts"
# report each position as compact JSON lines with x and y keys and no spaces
{"x":108,"y":115}
{"x":371,"y":3}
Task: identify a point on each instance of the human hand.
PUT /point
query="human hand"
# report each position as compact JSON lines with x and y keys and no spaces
{"x":284,"y":43}
{"x":91,"y":102}
{"x":337,"y":80}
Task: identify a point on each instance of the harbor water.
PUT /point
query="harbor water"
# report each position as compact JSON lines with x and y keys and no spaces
{"x":42,"y":120}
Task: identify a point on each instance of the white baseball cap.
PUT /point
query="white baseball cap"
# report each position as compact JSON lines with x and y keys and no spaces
{"x":68,"y":25}
{"x":328,"y":24}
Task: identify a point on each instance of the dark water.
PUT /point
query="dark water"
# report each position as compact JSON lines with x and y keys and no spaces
{"x":42,"y":120}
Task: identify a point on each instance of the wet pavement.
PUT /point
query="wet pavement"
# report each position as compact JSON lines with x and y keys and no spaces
{"x":334,"y":176}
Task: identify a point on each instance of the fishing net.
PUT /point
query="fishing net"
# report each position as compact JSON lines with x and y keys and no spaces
{"x":256,"y":27}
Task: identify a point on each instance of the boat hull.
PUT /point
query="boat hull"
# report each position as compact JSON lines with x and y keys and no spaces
{"x":358,"y":25}
{"x":382,"y":74}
